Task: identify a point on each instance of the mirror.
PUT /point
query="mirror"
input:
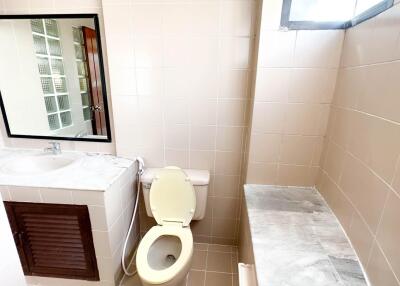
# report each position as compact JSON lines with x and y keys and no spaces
{"x":52,"y":82}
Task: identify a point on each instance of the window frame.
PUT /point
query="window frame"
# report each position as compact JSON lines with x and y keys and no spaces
{"x":330,"y":25}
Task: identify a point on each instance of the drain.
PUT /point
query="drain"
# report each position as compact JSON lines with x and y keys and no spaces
{"x":170,"y":258}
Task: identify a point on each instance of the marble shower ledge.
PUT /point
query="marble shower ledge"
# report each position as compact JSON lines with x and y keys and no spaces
{"x":91,"y":171}
{"x":297,"y":241}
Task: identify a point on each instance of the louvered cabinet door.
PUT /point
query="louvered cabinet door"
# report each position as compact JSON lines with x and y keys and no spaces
{"x":54,"y":240}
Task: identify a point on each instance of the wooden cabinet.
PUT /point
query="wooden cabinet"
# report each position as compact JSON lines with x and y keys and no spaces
{"x":53,"y":240}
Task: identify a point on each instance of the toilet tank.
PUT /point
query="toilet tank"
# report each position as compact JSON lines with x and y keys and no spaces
{"x":200,"y":180}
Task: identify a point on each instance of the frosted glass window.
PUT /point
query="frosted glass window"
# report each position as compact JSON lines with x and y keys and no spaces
{"x":44,"y":67}
{"x":79,"y":52}
{"x":60,"y":84}
{"x":47,"y":85}
{"x":54,"y":47}
{"x":81,"y":68}
{"x":329,"y":14}
{"x":63,"y":102}
{"x":85,"y":99}
{"x":37,"y":26}
{"x":51,"y":69}
{"x":66,"y":118}
{"x":77,"y":35}
{"x":83,"y":84}
{"x":54,"y":122}
{"x":86,"y":113}
{"x":321,"y":10}
{"x":50,"y":102}
{"x":51,"y":27}
{"x":57,"y":66}
{"x":39,"y":44}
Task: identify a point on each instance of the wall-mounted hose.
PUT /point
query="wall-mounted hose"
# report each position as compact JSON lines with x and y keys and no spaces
{"x":139,"y":173}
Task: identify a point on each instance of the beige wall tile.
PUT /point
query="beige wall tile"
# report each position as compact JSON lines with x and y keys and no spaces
{"x":273,"y":84}
{"x":340,"y":205}
{"x":361,"y":238}
{"x":268,"y":117}
{"x":325,"y":54}
{"x":297,"y":150}
{"x":225,"y":208}
{"x":388,"y":232}
{"x":262,"y":173}
{"x":226,"y":186}
{"x":203,"y":137}
{"x":229,"y":139}
{"x":277,"y":48}
{"x":333,"y":163}
{"x":265,"y":147}
{"x":177,"y":158}
{"x":227,"y":163}
{"x":292,"y":175}
{"x":203,"y":112}
{"x":202,"y":160}
{"x":381,"y":79}
{"x":231,"y":112}
{"x":378,"y":269}
{"x":320,"y":91}
{"x":366,"y":191}
{"x":350,"y":86}
{"x":306,"y":119}
{"x":224,"y":228}
{"x":177,"y":137}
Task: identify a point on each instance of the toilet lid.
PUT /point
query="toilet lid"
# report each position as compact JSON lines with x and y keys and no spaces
{"x":172,"y":197}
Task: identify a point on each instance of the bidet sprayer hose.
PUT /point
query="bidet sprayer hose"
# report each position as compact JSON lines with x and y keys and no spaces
{"x":140,"y":163}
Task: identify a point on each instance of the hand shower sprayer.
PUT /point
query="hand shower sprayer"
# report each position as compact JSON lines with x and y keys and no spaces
{"x":140,"y":170}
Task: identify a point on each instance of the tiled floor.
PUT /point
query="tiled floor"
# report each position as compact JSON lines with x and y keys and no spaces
{"x":212,"y":265}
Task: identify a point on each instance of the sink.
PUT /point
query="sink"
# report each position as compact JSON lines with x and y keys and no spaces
{"x":37,"y":164}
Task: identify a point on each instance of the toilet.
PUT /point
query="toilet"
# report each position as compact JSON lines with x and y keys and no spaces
{"x":174,"y":197}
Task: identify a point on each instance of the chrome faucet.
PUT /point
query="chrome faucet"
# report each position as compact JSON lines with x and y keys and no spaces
{"x":55,"y":148}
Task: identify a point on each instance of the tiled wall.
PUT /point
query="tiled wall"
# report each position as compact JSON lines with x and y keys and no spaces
{"x":179,"y":74}
{"x":56,"y":7}
{"x":296,"y":75}
{"x":361,"y":171}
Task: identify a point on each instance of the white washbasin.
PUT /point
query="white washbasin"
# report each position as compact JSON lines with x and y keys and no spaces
{"x":37,"y":164}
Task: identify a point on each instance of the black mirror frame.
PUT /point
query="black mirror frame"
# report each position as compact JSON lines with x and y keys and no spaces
{"x":95,"y":17}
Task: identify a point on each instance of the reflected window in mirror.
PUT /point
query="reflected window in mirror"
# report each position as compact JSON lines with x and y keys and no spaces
{"x":59,"y":60}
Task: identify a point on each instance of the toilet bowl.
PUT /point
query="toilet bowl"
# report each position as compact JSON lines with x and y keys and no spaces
{"x":165,"y":253}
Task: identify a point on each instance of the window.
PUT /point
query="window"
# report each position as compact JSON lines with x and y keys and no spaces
{"x":48,"y":51}
{"x":81,"y":63}
{"x":329,"y":14}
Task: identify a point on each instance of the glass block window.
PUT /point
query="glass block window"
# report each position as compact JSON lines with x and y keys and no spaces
{"x":83,"y":75}
{"x":46,"y":40}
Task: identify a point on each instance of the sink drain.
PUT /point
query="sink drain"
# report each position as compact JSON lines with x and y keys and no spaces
{"x":170,"y":258}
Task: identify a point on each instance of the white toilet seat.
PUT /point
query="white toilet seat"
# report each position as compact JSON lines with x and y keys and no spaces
{"x":152,"y":276}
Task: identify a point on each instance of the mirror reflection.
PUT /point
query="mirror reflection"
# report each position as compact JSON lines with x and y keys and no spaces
{"x":58,"y":66}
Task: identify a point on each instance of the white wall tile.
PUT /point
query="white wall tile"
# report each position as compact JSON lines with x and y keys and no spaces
{"x":25,"y":194}
{"x":56,"y":196}
{"x":324,"y":54}
{"x":276,"y":49}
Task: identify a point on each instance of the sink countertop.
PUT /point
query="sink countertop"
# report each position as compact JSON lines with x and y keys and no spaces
{"x":91,"y":171}
{"x":297,"y":240}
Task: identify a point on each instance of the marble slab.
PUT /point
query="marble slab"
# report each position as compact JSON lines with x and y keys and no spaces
{"x":90,"y":171}
{"x":297,"y":240}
